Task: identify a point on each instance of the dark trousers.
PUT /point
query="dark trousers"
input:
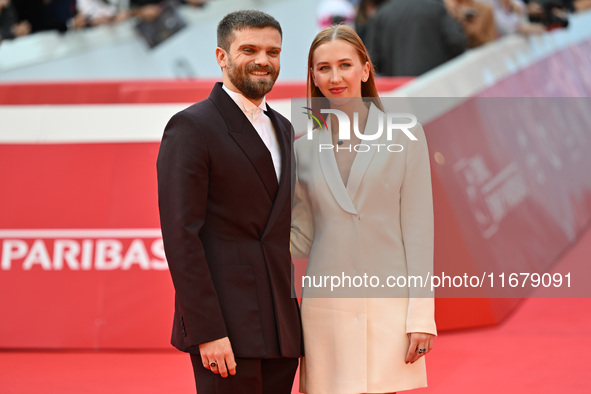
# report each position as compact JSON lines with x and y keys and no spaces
{"x":253,"y":376}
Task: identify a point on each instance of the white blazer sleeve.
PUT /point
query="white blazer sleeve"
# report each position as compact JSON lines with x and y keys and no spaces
{"x":302,"y":221}
{"x":416,"y":219}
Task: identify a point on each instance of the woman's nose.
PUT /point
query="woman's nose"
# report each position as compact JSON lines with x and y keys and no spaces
{"x":335,"y":76}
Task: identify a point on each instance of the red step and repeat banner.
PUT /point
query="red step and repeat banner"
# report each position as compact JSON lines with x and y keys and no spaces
{"x":82,"y":263}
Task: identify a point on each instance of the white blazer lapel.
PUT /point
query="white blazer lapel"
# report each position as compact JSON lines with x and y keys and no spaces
{"x":328,"y":163}
{"x":362,"y":159}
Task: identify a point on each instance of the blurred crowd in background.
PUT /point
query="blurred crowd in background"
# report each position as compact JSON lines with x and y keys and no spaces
{"x":410,"y":37}
{"x":23,"y":17}
{"x":404,"y":37}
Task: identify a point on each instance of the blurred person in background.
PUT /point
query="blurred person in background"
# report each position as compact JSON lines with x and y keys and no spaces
{"x":145,"y":10}
{"x":581,"y":5}
{"x":59,"y":15}
{"x":100,"y":12}
{"x":511,"y":18}
{"x":10,"y":26}
{"x":149,"y":10}
{"x":334,"y":12}
{"x":196,"y":3}
{"x":411,"y":37}
{"x":365,"y":11}
{"x":554,"y":13}
{"x":476,"y":18}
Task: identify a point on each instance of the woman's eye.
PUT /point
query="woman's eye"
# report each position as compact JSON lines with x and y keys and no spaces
{"x":345,"y":65}
{"x":323,"y":68}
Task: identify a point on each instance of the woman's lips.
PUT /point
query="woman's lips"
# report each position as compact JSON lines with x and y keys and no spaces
{"x":336,"y":90}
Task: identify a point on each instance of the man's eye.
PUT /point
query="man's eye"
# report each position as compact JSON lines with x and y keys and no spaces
{"x":247,"y":50}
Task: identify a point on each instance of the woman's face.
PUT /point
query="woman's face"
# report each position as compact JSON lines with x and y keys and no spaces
{"x":337,"y":70}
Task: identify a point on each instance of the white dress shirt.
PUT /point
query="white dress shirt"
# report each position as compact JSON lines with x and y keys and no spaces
{"x":261,"y":123}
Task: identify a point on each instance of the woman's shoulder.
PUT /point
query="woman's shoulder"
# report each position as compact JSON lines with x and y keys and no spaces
{"x":306,"y":140}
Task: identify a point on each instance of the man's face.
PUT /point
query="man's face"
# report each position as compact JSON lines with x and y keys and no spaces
{"x":252,"y":63}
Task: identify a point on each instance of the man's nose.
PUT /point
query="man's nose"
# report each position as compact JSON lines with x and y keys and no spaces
{"x":261,"y":58}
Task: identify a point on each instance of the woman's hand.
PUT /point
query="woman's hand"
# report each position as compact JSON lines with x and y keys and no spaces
{"x":420,"y":344}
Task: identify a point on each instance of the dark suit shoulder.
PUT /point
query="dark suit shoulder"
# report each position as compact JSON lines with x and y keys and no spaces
{"x":202,"y":116}
{"x":200,"y":111}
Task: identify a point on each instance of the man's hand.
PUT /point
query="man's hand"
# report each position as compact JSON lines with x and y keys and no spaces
{"x":220,"y":353}
{"x":21,"y":29}
{"x":148,"y":12}
{"x":420,"y":344}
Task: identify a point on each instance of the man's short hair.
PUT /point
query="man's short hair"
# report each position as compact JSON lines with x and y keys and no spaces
{"x":243,"y":19}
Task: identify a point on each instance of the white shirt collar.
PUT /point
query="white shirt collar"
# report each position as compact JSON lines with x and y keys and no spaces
{"x":245,"y":104}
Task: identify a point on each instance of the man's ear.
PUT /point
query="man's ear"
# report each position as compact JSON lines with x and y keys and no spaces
{"x":221,"y":56}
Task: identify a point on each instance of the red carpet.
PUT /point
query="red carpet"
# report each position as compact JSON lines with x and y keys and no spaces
{"x":541,"y":348}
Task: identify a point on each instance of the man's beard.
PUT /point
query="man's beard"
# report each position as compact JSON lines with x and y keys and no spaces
{"x":250,"y":87}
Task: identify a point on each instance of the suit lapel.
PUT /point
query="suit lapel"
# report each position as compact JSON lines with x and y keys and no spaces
{"x":242,"y":131}
{"x":362,"y":159}
{"x":285,"y":142}
{"x":330,"y":170}
{"x":346,"y":195}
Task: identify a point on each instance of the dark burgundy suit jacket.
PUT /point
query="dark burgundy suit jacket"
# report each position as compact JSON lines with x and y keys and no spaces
{"x":226,"y":223}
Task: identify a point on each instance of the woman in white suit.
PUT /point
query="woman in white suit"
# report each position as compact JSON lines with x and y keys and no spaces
{"x":357,"y":212}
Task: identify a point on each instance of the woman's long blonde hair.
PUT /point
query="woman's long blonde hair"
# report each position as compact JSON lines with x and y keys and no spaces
{"x":347,"y":34}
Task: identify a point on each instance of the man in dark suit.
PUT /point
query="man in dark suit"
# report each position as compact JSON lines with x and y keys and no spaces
{"x":224,"y":186}
{"x":411,"y":37}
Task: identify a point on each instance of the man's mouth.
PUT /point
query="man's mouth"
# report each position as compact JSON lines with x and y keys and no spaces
{"x":260,"y":73}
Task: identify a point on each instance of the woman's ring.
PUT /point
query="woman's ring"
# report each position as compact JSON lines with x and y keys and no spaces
{"x":422,"y":351}
{"x":213,"y":364}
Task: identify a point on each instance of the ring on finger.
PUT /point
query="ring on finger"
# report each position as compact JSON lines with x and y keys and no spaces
{"x":421,"y":351}
{"x":213,"y":364}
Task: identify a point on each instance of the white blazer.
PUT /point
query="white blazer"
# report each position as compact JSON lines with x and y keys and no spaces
{"x":379,"y":224}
